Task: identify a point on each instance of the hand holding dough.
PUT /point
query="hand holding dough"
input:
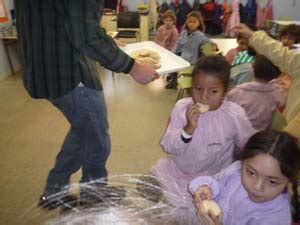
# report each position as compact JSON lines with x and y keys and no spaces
{"x":212,"y":206}
{"x":203,"y":107}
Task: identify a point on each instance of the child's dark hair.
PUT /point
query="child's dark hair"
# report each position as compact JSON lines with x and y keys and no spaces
{"x":264,"y":69}
{"x":283,"y":147}
{"x":169,"y":14}
{"x":214,"y":65}
{"x":291,"y":30}
{"x":198,"y":16}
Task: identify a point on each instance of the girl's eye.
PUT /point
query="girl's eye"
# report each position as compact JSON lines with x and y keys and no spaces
{"x":249,"y":172}
{"x":214,"y":91}
{"x":273,"y":183}
{"x":197,"y":88}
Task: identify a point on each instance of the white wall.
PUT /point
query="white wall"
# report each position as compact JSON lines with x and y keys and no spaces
{"x":281,"y":8}
{"x":287,"y":8}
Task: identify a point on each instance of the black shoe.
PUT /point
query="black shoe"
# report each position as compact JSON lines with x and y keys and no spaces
{"x":58,"y":200}
{"x":168,"y":77}
{"x":108,"y":195}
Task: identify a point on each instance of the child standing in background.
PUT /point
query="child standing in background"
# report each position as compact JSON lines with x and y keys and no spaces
{"x":261,"y":97}
{"x":199,"y":142}
{"x":167,"y":34}
{"x":253,"y":190}
{"x":189,"y":42}
{"x":242,"y":46}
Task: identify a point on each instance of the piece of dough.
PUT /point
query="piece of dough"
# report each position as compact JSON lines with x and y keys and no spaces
{"x":203,"y":107}
{"x":144,"y":52}
{"x":148,"y":60}
{"x":212,"y":206}
{"x":147,"y":56}
{"x":154,"y":55}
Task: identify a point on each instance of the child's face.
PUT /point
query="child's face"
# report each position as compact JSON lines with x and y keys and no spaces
{"x":192,"y":23}
{"x":168,"y":21}
{"x":242,"y":44}
{"x":262,"y":178}
{"x":288,"y":41}
{"x":208,"y":89}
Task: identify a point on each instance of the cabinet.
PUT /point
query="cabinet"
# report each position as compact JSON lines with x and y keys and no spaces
{"x":109,"y":22}
{"x":144,"y":27}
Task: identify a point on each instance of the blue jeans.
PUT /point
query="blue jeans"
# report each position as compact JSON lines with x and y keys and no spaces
{"x":87,"y":143}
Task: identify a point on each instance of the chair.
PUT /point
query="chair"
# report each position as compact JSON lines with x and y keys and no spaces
{"x":184,"y":81}
{"x":128,"y":26}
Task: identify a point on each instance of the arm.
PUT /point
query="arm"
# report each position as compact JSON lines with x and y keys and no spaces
{"x":216,"y":182}
{"x":285,"y":59}
{"x":279,"y":94}
{"x":172,"y":141}
{"x":174,"y":38}
{"x":85,"y":33}
{"x":278,"y":218}
{"x":90,"y":39}
{"x":179,"y":42}
{"x":280,"y":56}
{"x":157,"y":37}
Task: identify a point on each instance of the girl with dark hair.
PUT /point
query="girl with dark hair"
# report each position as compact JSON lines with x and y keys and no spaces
{"x":253,"y":190}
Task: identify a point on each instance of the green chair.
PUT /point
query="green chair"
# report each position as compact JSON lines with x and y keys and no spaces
{"x":184,"y":81}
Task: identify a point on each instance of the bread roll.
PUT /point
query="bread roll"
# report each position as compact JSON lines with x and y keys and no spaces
{"x":203,"y":107}
{"x":212,"y":206}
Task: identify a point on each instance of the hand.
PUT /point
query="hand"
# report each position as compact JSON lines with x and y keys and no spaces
{"x":192,"y":116}
{"x":243,"y":30}
{"x":119,"y":43}
{"x":202,"y":193}
{"x":143,"y":73}
{"x":210,"y":218}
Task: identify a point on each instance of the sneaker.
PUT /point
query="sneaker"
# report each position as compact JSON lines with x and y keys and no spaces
{"x":54,"y":201}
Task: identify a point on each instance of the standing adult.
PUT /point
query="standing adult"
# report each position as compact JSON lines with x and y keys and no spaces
{"x":60,"y":43}
{"x":289,"y":62}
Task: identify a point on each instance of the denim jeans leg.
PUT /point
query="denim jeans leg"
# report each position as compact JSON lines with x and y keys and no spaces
{"x":87,"y":143}
{"x":96,"y":139}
